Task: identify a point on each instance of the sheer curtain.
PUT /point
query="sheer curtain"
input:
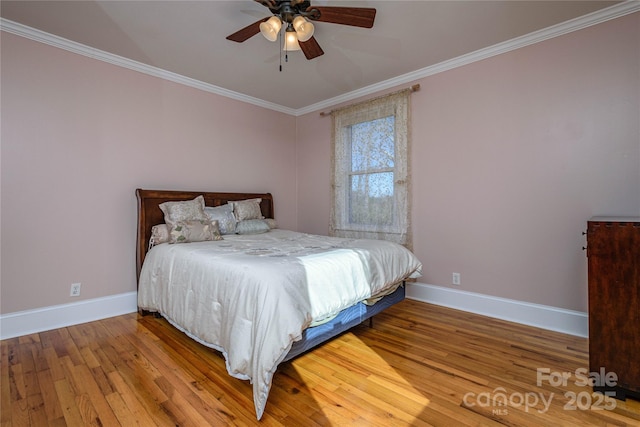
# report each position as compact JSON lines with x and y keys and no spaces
{"x":371,"y":177}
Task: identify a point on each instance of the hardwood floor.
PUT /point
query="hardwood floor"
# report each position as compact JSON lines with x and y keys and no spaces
{"x":419,"y":365}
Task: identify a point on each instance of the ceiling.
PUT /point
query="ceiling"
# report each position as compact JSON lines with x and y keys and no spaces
{"x":188,"y":38}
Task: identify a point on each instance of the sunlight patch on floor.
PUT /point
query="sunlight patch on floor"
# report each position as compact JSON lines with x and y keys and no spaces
{"x":347,"y":384}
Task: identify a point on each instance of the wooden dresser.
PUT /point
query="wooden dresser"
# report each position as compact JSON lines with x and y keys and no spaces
{"x":613,"y":251}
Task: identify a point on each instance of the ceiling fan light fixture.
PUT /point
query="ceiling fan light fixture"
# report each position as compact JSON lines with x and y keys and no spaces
{"x":290,"y":40}
{"x":304,"y":29}
{"x":296,"y":16}
{"x":270,"y":28}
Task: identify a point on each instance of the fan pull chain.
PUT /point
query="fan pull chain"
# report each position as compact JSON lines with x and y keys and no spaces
{"x":286,"y":52}
{"x":280,"y":50}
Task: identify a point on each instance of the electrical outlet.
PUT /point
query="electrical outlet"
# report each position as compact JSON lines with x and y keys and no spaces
{"x":455,"y":278}
{"x":75,"y":289}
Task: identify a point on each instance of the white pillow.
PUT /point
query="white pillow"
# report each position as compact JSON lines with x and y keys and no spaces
{"x":194,"y":231}
{"x":190,"y":210}
{"x":252,"y":226}
{"x":224,"y":215}
{"x":159,"y":234}
{"x":247,"y":209}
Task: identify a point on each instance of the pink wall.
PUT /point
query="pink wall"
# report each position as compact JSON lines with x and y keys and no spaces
{"x":511,"y":156}
{"x":79,"y":136}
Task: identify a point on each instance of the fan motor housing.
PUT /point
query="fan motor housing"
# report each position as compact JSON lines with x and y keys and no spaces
{"x":287,"y":9}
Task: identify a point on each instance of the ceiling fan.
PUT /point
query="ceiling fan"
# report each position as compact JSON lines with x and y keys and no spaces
{"x":295,"y":16}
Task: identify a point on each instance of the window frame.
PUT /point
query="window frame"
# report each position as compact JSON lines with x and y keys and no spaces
{"x":395,"y":105}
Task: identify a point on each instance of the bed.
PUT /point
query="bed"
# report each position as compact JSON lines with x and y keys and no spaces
{"x":260,"y":297}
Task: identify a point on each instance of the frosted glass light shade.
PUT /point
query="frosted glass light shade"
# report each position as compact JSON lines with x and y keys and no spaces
{"x":290,"y":41}
{"x":304,"y":29}
{"x":270,"y":28}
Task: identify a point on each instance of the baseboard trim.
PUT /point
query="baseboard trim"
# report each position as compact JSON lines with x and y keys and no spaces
{"x":59,"y":316}
{"x":541,"y":316}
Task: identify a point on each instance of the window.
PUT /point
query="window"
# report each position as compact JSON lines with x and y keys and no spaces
{"x":370,"y":176}
{"x":370,"y":170}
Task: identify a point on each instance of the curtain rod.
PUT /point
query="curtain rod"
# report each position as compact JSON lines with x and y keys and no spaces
{"x":413,"y":88}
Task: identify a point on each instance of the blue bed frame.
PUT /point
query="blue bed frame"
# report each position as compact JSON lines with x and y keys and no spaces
{"x":344,"y":321}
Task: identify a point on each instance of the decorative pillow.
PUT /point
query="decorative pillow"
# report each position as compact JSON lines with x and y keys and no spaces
{"x":184,"y":211}
{"x":252,"y":226}
{"x":224,"y":215}
{"x":194,"y":231}
{"x":159,"y":234}
{"x":271,"y":223}
{"x":247,"y":209}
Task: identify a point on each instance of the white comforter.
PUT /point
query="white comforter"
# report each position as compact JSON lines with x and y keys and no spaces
{"x":251,"y":296}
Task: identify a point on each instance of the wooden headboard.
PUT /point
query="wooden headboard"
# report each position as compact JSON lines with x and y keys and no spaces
{"x":149,"y":213}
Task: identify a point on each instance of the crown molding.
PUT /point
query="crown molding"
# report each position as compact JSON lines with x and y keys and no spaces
{"x":120,"y":61}
{"x":613,"y":12}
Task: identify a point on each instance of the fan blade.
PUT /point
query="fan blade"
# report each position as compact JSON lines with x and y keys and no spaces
{"x":354,"y":16}
{"x":247,"y":32}
{"x":311,"y":48}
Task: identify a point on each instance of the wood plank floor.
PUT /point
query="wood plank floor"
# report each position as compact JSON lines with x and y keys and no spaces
{"x":419,"y":365}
